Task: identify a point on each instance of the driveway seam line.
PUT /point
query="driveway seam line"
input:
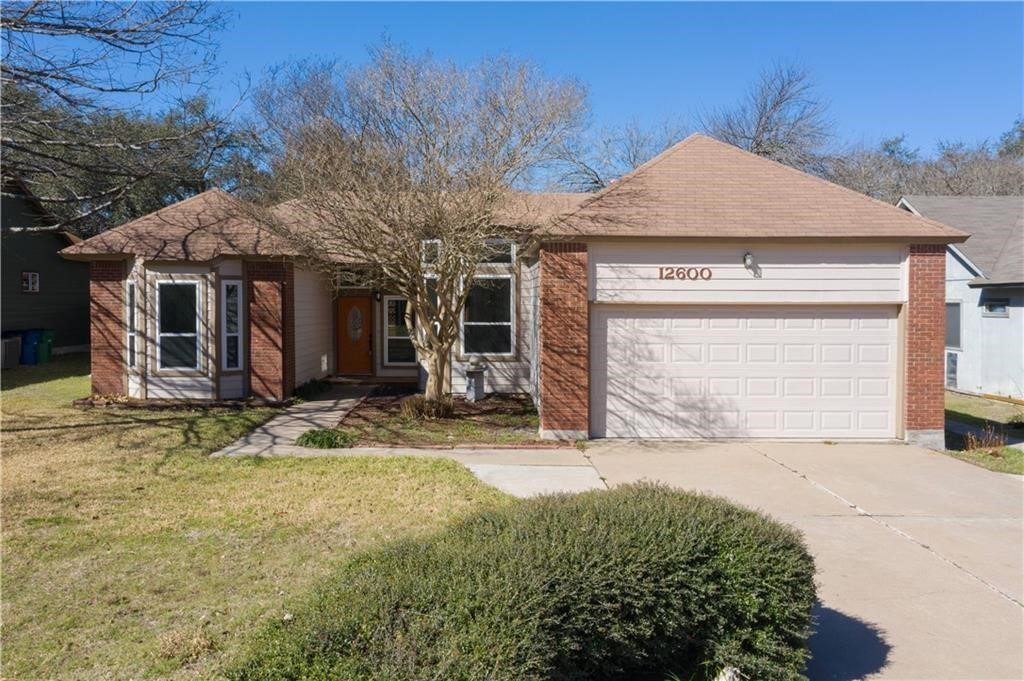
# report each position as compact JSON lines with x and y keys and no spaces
{"x":590,"y":462}
{"x":898,"y":531}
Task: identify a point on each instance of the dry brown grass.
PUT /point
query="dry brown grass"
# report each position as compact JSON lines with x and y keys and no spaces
{"x":127,"y":552}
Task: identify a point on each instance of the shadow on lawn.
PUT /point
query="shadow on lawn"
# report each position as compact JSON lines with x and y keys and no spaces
{"x":844,"y":648}
{"x":61,"y":366}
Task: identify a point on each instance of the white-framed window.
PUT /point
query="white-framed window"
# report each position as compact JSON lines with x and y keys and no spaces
{"x":398,"y":347}
{"x":431,"y":250}
{"x":232,"y":316}
{"x":131,"y":324}
{"x":488,"y":319}
{"x":995,"y":307}
{"x":953,"y":325}
{"x":29,"y":282}
{"x":177,"y":323}
{"x":499,"y":252}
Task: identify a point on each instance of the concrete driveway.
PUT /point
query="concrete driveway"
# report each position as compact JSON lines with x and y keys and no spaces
{"x":919,"y":556}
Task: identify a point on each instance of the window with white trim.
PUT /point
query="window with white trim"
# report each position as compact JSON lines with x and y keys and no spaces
{"x":177,"y":322}
{"x":499,"y":252}
{"x":130,"y":324}
{"x":488,"y":317}
{"x":231,"y":324}
{"x":995,"y":307}
{"x":953,"y":325}
{"x":29,"y":282}
{"x":398,"y":347}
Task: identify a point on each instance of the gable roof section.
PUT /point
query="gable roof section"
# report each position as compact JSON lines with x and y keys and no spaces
{"x":996,"y":226}
{"x":703,"y":188}
{"x":215,"y":224}
{"x":203,"y":227}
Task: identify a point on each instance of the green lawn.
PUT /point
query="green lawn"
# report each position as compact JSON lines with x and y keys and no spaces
{"x":128,"y":553}
{"x":978,"y":410}
{"x":1000,"y":417}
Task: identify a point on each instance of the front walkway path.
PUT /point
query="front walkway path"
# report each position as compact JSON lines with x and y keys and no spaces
{"x":282,"y":430}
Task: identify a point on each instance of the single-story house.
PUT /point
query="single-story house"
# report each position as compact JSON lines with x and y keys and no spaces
{"x":984,"y":291}
{"x":40,"y":289}
{"x":708,"y":293}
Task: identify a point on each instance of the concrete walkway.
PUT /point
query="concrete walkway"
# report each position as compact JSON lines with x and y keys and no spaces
{"x":283,"y":429}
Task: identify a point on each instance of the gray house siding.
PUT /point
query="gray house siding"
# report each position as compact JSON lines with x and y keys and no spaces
{"x":62,"y":303}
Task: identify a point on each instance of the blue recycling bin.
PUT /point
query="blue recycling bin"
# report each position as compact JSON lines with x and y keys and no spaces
{"x":30,"y":346}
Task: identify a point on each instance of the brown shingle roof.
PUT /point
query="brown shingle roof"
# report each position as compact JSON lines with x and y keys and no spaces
{"x":203,"y":227}
{"x":215,"y":224}
{"x":703,"y":188}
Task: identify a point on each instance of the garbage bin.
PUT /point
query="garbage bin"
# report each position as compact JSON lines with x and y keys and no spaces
{"x":11,"y":350}
{"x":30,"y":346}
{"x":45,"y":351}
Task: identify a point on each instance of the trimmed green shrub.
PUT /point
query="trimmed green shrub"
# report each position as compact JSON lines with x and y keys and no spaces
{"x":326,"y":438}
{"x":639,"y":582}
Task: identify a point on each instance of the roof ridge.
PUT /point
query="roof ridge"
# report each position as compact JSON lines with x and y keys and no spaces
{"x":821,"y":180}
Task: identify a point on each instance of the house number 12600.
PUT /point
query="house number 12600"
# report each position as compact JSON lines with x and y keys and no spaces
{"x":691,"y":273}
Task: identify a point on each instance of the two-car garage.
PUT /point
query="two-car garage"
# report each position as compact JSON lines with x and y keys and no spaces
{"x":711,"y":293}
{"x":744,"y":372}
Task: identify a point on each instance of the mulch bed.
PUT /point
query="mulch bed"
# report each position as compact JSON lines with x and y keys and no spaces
{"x":383,"y":406}
{"x":122,"y":402}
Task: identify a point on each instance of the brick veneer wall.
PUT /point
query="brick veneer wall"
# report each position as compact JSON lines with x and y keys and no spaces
{"x":271,"y":293}
{"x":106,"y":327}
{"x":564,"y":341}
{"x":926,"y":339}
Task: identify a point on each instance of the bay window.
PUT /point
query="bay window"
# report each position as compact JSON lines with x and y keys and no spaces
{"x":177,"y":325}
{"x":231,"y":324}
{"x":130,"y":324}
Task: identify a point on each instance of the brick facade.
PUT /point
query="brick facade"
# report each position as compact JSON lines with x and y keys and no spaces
{"x":925,"y":339}
{"x":106,"y":327}
{"x":564,"y":341}
{"x":271,"y":293}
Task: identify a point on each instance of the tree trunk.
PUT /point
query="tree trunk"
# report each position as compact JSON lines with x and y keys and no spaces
{"x":437,"y":369}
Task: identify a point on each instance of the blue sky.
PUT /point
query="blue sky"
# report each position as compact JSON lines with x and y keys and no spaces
{"x":932,"y":71}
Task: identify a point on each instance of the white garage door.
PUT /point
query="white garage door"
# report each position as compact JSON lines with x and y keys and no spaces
{"x":731,"y":372}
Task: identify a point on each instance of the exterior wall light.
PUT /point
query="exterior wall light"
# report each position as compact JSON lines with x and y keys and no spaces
{"x":748,"y":260}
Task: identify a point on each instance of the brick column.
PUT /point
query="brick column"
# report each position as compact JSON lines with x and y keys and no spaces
{"x":924,"y":359}
{"x":564,"y":342}
{"x":106,"y":327}
{"x":271,"y":287}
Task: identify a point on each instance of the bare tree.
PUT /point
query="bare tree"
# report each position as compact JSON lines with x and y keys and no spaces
{"x":781,"y":118}
{"x":893,"y":169}
{"x":67,"y":65}
{"x":404,"y":169}
{"x":593,"y":163}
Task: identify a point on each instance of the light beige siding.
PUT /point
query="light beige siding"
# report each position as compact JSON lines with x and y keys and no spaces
{"x":622,"y":272}
{"x":314,"y":327}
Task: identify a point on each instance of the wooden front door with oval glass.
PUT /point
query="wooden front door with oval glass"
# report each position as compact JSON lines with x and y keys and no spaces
{"x":355,"y":335}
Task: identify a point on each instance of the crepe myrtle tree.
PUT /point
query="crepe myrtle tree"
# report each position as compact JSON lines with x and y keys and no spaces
{"x":398,"y":175}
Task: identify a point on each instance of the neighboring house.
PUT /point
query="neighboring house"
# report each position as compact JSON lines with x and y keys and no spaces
{"x":984,"y":291}
{"x":708,"y":293}
{"x":40,"y":289}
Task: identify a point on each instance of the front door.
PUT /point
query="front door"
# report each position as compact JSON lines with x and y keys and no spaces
{"x":355,"y":335}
